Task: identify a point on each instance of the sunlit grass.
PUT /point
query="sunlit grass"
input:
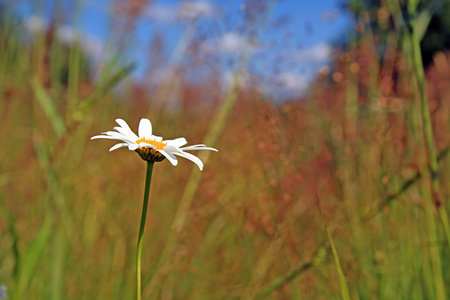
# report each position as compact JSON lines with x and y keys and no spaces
{"x":248,"y":226}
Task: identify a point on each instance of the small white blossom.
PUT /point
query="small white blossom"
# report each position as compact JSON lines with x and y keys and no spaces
{"x":151,"y":147}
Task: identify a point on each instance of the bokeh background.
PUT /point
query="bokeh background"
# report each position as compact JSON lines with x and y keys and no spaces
{"x":332,"y":124}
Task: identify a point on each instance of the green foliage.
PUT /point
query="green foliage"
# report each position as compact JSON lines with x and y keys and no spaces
{"x":437,"y":37}
{"x":434,"y":32}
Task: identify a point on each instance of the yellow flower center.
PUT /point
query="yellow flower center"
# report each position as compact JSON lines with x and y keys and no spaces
{"x":158,"y":145}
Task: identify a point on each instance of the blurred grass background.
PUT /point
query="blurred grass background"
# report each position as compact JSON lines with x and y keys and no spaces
{"x":341,"y":194}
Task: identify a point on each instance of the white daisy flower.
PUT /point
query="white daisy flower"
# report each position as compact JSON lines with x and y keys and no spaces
{"x":151,"y":147}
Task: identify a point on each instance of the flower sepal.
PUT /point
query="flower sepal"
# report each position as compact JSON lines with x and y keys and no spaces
{"x":150,"y":154}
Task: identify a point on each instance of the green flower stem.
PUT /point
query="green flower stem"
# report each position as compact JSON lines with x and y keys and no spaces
{"x":148,"y":181}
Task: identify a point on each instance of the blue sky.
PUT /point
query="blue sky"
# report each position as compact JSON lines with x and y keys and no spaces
{"x":290,"y":43}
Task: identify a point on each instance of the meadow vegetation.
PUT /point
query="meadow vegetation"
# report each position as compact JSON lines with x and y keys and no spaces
{"x":342,"y":193}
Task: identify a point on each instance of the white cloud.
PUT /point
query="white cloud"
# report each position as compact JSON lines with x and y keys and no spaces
{"x":186,"y":11}
{"x":319,"y":53}
{"x":292,"y":81}
{"x":196,"y":9}
{"x":229,"y":43}
{"x":91,"y":45}
{"x":287,"y":85}
{"x":67,"y":34}
{"x":233,"y":42}
{"x":35,"y":24}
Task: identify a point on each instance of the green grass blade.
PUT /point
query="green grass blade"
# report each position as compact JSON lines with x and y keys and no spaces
{"x":57,"y":268}
{"x":31,"y":257}
{"x":101,"y":90}
{"x":343,"y":283}
{"x":48,"y":106}
{"x":281,"y":281}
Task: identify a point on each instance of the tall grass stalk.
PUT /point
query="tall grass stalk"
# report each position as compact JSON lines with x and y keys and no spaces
{"x":430,"y":184}
{"x":426,"y":118}
{"x":285,"y":279}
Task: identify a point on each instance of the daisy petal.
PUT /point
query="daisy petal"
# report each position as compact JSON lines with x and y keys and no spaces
{"x":127,"y":129}
{"x":133,"y":146}
{"x":176,"y":142}
{"x":192,"y":158}
{"x":117,"y":146}
{"x":145,"y":128}
{"x":170,"y":157}
{"x":132,"y":137}
{"x":199,"y":147}
{"x":172,"y":149}
{"x":107,"y":137}
{"x":118,"y":135}
{"x":147,"y":145}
